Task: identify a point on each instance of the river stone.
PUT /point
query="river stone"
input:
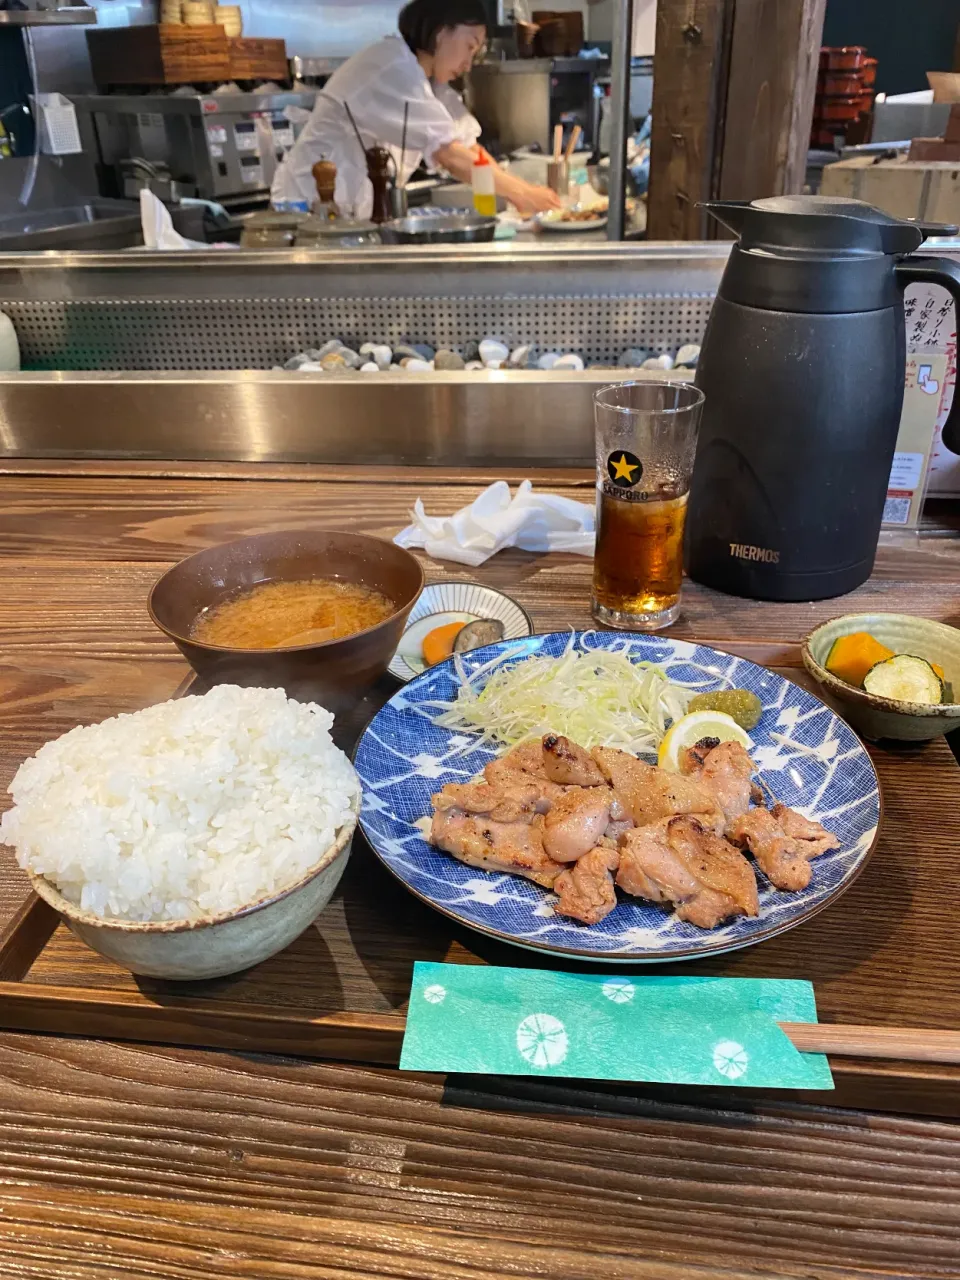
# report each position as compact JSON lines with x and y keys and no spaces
{"x":688,"y":355}
{"x":334,"y":360}
{"x":548,"y":360}
{"x":424,"y":350}
{"x":449,"y":361}
{"x":370,"y":367}
{"x":569,"y":361}
{"x":329,"y":348}
{"x":471,"y":350}
{"x":491,"y":349}
{"x":473,"y":365}
{"x":416,"y":365}
{"x":402,"y":352}
{"x":520,"y":357}
{"x":633,"y":358}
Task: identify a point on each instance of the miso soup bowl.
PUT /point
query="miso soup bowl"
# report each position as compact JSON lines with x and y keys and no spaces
{"x":333,"y":672}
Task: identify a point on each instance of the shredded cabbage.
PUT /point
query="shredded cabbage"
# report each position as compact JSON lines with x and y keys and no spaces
{"x":597,"y":698}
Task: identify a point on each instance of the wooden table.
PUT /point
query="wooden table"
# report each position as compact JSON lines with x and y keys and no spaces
{"x":128,"y":1160}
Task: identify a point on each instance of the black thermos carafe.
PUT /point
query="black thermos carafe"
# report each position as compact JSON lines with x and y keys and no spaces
{"x":803,"y":367}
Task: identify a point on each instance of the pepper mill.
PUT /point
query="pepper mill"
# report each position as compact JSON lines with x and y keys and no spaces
{"x":325,"y":176}
{"x":379,"y":162}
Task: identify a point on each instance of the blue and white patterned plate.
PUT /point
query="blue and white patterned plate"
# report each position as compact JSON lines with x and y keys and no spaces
{"x":808,"y":759}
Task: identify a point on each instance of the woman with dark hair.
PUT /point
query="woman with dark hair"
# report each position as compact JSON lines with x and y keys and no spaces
{"x":437,"y":42}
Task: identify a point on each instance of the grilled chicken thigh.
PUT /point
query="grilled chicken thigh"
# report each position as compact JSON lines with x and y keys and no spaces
{"x":676,"y":860}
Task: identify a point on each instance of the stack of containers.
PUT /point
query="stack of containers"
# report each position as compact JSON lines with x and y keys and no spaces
{"x":198,"y":13}
{"x":230,"y":18}
{"x":844,"y":94}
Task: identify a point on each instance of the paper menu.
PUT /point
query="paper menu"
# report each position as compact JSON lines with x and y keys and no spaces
{"x":931,"y":331}
{"x":923,"y":393}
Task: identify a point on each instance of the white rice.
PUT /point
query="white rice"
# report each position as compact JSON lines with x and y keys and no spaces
{"x":197,"y":806}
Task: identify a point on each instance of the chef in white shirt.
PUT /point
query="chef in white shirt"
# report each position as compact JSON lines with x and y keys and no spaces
{"x":437,"y":42}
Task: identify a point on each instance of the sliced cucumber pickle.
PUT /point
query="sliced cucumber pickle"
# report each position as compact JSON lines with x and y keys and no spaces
{"x":905,"y":679}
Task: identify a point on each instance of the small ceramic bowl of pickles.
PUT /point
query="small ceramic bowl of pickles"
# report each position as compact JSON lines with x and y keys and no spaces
{"x":893,"y":676}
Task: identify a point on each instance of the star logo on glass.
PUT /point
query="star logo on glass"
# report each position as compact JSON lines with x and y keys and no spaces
{"x":624,"y":468}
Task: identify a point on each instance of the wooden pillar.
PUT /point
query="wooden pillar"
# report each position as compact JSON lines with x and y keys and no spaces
{"x":733,"y":89}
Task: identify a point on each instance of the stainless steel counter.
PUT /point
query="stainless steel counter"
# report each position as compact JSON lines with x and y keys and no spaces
{"x":170,"y":355}
{"x":253,"y":310}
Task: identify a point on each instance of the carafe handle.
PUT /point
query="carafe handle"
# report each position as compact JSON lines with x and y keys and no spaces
{"x":943,"y":271}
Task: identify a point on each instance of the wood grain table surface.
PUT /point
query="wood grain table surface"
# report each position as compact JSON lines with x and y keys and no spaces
{"x":133,"y":1161}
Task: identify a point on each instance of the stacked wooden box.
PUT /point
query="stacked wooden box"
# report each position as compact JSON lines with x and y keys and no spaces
{"x":945,"y":150}
{"x":166,"y":54}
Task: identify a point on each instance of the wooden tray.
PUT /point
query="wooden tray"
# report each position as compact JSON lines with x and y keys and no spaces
{"x":253,"y":58}
{"x":886,"y":954}
{"x":158,"y":55}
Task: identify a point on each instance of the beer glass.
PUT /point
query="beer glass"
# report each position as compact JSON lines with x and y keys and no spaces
{"x":646,"y":437}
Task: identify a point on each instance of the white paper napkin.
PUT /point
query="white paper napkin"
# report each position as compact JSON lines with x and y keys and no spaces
{"x":494,"y":520}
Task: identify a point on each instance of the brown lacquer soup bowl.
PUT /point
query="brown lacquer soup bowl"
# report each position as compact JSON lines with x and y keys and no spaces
{"x":332,"y":672}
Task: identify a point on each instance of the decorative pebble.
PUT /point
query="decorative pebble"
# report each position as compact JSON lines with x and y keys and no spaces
{"x":334,"y":360}
{"x":402,"y":352}
{"x":473,"y":365}
{"x":471,"y":350}
{"x":310,"y":366}
{"x":493,"y":364}
{"x":369,"y":367}
{"x":652,"y":363}
{"x":351,"y":357}
{"x":368,"y":349}
{"x":424,"y":350}
{"x":491,"y":349}
{"x":328,"y":349}
{"x":633,"y":358}
{"x":295,"y":362}
{"x":449,"y":361}
{"x":548,"y":360}
{"x":382,"y":355}
{"x":416,"y":365}
{"x":519,"y":357}
{"x":569,"y":361}
{"x":688,"y":355}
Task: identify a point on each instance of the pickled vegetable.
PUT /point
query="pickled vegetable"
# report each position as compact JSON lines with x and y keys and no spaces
{"x":438,"y":643}
{"x":905,"y":679}
{"x":476,"y":634}
{"x":852,"y":656}
{"x":740,"y":704}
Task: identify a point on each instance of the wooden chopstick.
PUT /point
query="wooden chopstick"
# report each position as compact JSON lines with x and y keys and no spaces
{"x":574,"y":139}
{"x":557,"y":141}
{"x":909,"y":1044}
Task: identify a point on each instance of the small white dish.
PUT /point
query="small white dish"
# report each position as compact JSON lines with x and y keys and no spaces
{"x":443,"y":602}
{"x":553,"y":221}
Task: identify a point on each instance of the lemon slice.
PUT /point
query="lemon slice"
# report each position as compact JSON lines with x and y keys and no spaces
{"x":688,"y":731}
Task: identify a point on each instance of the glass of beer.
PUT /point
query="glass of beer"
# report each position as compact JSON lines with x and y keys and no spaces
{"x":646,"y":442}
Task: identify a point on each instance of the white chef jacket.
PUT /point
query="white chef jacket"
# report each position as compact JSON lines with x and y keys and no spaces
{"x":375,"y":84}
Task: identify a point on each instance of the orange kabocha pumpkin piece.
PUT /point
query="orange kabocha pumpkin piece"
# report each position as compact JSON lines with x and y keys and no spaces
{"x":438,"y":643}
{"x":851,"y":657}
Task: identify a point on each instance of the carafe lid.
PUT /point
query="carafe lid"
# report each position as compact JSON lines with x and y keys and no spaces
{"x":821,"y":222}
{"x":815,"y":253}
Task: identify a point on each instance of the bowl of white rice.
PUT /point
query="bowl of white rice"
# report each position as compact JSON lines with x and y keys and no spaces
{"x":192,"y":839}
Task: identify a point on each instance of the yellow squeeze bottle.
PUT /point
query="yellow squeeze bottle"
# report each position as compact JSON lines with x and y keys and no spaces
{"x":484,"y":192}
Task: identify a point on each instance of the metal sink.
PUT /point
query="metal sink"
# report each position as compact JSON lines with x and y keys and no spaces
{"x":97,"y":224}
